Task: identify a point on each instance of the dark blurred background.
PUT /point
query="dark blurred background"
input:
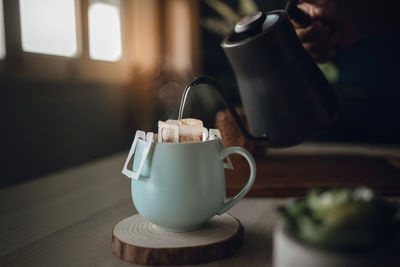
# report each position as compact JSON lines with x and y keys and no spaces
{"x":58,"y":112}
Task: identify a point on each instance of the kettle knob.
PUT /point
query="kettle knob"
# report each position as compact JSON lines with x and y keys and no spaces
{"x":252,"y":22}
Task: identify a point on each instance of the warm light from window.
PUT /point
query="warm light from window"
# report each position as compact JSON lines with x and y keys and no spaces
{"x":2,"y":33}
{"x":105,"y":30}
{"x":48,"y":27}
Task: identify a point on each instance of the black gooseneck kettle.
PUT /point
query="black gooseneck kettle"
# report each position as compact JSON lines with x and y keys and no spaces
{"x":286,"y":98}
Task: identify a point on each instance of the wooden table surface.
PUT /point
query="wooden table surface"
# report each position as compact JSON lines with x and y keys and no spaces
{"x":65,"y":219}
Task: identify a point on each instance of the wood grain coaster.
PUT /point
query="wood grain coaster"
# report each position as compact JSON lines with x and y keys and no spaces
{"x":284,"y":175}
{"x":136,"y":240}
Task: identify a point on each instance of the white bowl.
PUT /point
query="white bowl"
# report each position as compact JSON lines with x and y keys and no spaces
{"x":289,"y":252}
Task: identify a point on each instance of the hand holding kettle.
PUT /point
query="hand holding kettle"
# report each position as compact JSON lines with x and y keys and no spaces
{"x":286,"y":98}
{"x":339,"y":23}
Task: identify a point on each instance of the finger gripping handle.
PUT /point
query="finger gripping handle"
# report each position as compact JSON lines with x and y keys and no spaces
{"x":297,"y":14}
{"x":243,"y":152}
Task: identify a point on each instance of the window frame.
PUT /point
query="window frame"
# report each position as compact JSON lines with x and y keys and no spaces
{"x":144,"y":45}
{"x":27,"y":65}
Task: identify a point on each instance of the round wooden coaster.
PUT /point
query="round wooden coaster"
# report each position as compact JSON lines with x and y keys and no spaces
{"x":136,"y":240}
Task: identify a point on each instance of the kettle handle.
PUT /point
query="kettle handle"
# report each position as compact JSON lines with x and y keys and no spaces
{"x":229,"y":104}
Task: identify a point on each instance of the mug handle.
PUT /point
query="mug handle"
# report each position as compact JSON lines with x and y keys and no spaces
{"x":238,"y":150}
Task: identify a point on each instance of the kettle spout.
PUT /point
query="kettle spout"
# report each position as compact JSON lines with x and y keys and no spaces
{"x":228,"y":103}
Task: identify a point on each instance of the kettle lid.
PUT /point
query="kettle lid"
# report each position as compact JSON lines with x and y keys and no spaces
{"x":252,"y":25}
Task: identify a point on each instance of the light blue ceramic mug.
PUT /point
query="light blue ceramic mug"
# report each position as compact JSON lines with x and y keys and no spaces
{"x":180,"y":186}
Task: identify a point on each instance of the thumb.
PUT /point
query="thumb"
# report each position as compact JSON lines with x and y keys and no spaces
{"x":314,"y":2}
{"x":311,"y":9}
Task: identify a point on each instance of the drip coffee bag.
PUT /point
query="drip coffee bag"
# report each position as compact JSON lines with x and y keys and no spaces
{"x":185,"y":130}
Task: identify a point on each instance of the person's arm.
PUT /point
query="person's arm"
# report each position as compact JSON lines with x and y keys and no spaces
{"x":339,"y":23}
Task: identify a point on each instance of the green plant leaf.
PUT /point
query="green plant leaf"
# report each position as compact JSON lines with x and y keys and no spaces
{"x":331,"y":71}
{"x":247,"y":7}
{"x":224,"y":10}
{"x":218,"y":26}
{"x":342,"y":218}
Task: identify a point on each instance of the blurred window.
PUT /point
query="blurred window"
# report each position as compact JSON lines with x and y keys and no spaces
{"x":48,"y":27}
{"x":86,"y":40}
{"x":2,"y":33}
{"x":105,"y":30}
